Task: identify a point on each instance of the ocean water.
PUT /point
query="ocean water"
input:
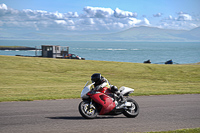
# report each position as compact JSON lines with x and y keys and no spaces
{"x":138,"y":52}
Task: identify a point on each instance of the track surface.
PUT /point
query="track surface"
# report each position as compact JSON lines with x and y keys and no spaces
{"x":157,"y":113}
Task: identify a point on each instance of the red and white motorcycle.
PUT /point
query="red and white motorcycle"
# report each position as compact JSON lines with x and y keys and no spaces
{"x":104,"y":102}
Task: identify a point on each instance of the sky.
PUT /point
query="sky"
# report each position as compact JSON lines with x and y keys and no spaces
{"x":97,"y":16}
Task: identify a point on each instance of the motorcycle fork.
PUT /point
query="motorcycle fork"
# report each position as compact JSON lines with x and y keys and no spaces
{"x":94,"y":104}
{"x":90,"y":103}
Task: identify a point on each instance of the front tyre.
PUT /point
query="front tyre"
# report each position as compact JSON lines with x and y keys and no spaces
{"x":87,"y":110}
{"x":133,"y":110}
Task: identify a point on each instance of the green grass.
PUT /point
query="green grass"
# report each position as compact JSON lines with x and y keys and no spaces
{"x":194,"y":130}
{"x":12,"y":46}
{"x":31,"y":78}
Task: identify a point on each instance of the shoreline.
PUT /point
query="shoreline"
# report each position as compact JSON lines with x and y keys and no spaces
{"x":17,"y":48}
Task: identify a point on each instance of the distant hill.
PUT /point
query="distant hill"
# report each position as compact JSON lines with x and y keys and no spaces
{"x":142,"y":33}
{"x":193,"y":34}
{"x":148,"y":34}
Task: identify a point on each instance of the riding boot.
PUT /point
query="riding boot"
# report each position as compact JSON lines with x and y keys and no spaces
{"x":120,"y":97}
{"x":115,"y":97}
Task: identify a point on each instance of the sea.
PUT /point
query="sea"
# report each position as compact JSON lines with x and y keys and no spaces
{"x":118,"y":51}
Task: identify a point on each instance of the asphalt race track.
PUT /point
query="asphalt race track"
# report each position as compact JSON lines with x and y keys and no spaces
{"x":157,"y":113}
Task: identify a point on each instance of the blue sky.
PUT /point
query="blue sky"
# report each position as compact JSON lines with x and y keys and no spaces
{"x":98,"y":15}
{"x":143,"y":7}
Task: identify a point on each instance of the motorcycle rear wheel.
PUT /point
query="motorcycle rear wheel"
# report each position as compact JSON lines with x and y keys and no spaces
{"x":133,"y":111}
{"x":87,"y":110}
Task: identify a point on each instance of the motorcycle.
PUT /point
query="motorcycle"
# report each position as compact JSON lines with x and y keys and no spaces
{"x":104,"y":102}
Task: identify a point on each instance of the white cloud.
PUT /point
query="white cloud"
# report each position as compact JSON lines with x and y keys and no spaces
{"x":61,"y":22}
{"x":136,"y":22}
{"x":91,"y":19}
{"x":3,"y":6}
{"x":183,"y":21}
{"x":4,"y":10}
{"x":170,"y":17}
{"x":178,"y":25}
{"x":98,"y":12}
{"x":146,"y":21}
{"x":184,"y":17}
{"x":71,"y":15}
{"x":88,"y":21}
{"x":157,"y":15}
{"x":122,"y":14}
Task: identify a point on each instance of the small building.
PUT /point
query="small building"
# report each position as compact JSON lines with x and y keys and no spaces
{"x":54,"y":51}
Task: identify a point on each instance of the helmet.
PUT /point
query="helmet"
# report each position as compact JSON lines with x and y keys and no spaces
{"x":96,"y":77}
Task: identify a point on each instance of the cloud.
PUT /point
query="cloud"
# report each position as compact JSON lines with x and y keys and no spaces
{"x":98,"y":12}
{"x":136,"y":22}
{"x":182,"y":21}
{"x":123,"y":14}
{"x":181,"y":17}
{"x":184,"y":17}
{"x":4,"y":10}
{"x":170,"y":17}
{"x":157,"y":15}
{"x":92,"y":18}
{"x":3,"y":6}
{"x":178,"y":25}
{"x":146,"y":21}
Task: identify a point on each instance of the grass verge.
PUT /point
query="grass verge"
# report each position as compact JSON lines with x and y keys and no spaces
{"x":193,"y":130}
{"x":31,"y":78}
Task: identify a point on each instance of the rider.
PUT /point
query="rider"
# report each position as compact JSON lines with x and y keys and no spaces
{"x":101,"y":82}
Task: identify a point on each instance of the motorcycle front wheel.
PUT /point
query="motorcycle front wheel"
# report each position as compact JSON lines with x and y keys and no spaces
{"x":87,"y":110}
{"x":133,"y":110}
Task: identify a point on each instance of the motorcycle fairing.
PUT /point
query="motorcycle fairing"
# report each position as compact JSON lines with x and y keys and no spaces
{"x":105,"y":90}
{"x":104,"y":100}
{"x":126,"y":90}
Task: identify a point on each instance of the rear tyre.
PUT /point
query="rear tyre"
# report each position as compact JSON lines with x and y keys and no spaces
{"x":133,"y":110}
{"x":87,"y":110}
